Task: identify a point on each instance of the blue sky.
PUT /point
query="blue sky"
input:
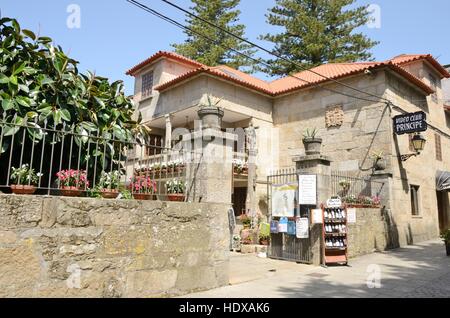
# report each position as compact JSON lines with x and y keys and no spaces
{"x":115,"y":35}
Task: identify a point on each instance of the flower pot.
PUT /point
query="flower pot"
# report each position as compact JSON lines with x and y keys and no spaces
{"x":109,"y":194}
{"x":23,"y":189}
{"x":211,"y":117}
{"x":447,"y":247}
{"x":380,"y":165}
{"x":144,"y":196}
{"x":71,"y":192}
{"x":176,"y":197}
{"x":264,"y":242}
{"x":313,"y":146}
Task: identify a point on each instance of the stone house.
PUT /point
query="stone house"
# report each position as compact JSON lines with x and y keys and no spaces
{"x":169,"y":89}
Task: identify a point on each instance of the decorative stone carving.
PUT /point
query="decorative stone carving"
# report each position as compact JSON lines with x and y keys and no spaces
{"x":334,"y":116}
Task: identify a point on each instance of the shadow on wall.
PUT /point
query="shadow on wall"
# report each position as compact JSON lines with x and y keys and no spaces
{"x":391,"y":230}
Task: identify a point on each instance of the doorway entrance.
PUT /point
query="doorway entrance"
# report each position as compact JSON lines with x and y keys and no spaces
{"x":239,"y":200}
{"x":442,"y":199}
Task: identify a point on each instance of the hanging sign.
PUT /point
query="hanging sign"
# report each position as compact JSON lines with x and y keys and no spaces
{"x":283,"y":225}
{"x":274,"y":227}
{"x":334,"y":202}
{"x":307,"y":187}
{"x":302,"y":228}
{"x":410,"y":123}
{"x":291,"y":228}
{"x":283,"y":200}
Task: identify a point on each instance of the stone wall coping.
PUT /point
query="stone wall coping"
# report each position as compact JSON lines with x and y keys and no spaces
{"x":208,"y":134}
{"x":307,"y":158}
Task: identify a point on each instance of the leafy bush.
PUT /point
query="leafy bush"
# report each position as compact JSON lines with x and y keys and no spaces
{"x":40,"y":86}
{"x":445,"y":236}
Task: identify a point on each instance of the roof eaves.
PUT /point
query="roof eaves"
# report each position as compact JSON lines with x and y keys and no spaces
{"x":163,"y":54}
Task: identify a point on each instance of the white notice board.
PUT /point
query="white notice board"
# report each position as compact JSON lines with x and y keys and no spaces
{"x":307,"y":190}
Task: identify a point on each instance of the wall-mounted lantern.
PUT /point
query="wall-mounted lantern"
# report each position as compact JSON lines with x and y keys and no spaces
{"x":418,"y":143}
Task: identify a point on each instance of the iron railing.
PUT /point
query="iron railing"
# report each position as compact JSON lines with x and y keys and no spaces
{"x":46,"y":150}
{"x":353,"y":189}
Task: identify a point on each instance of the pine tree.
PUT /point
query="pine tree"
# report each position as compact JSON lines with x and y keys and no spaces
{"x":317,"y":32}
{"x":224,"y":14}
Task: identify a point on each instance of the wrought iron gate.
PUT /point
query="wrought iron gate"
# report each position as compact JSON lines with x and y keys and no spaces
{"x":284,"y":246}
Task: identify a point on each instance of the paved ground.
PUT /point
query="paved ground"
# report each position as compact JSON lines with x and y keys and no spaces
{"x":422,"y":270}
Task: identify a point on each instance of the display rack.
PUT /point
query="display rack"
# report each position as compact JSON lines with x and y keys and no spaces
{"x":335,"y":235}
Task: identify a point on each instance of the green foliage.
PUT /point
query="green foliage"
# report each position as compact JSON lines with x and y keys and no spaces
{"x":176,"y":186}
{"x":224,"y":14}
{"x":445,"y":236}
{"x":310,"y":133}
{"x":110,"y":180}
{"x":264,"y":232}
{"x":315,"y":32}
{"x":40,"y":86}
{"x":24,"y":175}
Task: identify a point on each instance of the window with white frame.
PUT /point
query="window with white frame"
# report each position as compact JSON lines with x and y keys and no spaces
{"x":147,"y":84}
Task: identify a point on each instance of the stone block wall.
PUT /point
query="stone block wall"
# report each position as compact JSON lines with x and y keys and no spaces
{"x":370,"y":233}
{"x":81,"y":247}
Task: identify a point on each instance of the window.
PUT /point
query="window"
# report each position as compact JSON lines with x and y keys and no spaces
{"x":147,"y":84}
{"x":437,"y":139}
{"x":155,"y":147}
{"x":415,"y":208}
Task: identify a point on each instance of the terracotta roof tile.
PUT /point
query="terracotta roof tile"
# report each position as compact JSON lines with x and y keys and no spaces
{"x":160,"y":54}
{"x":289,"y":84}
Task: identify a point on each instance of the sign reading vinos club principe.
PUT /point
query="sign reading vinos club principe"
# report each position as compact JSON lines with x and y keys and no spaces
{"x":410,"y":123}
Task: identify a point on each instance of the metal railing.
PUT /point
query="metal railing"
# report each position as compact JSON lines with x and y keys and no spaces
{"x":96,"y":162}
{"x":353,"y":189}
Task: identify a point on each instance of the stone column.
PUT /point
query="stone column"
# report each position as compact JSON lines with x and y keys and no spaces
{"x":210,"y":173}
{"x":168,"y":139}
{"x":251,"y":204}
{"x":320,"y":166}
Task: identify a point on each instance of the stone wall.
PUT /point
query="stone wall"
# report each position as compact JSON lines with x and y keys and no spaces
{"x":369,"y":234}
{"x":81,"y":247}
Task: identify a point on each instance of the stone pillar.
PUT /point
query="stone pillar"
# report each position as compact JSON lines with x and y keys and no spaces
{"x":250,"y":203}
{"x":320,"y":166}
{"x":210,"y":173}
{"x":168,"y":139}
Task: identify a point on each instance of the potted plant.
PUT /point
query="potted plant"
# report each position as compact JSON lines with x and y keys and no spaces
{"x":246,"y":220}
{"x":24,"y":180}
{"x":210,"y":114}
{"x":379,"y":162}
{"x":345,"y":185}
{"x":446,"y":238}
{"x":175,"y":190}
{"x":109,"y":184}
{"x":143,"y":188}
{"x":264,"y":239}
{"x":312,"y":143}
{"x":240,"y":166}
{"x":72,"y":182}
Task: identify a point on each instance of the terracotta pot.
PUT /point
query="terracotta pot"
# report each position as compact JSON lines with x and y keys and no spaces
{"x":71,"y":192}
{"x":176,"y":197}
{"x":109,"y":194}
{"x":264,"y":242}
{"x":144,"y":196}
{"x":23,"y":189}
{"x":380,"y":165}
{"x":313,"y":146}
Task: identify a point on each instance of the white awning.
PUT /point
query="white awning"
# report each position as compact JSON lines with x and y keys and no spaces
{"x":443,"y":181}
